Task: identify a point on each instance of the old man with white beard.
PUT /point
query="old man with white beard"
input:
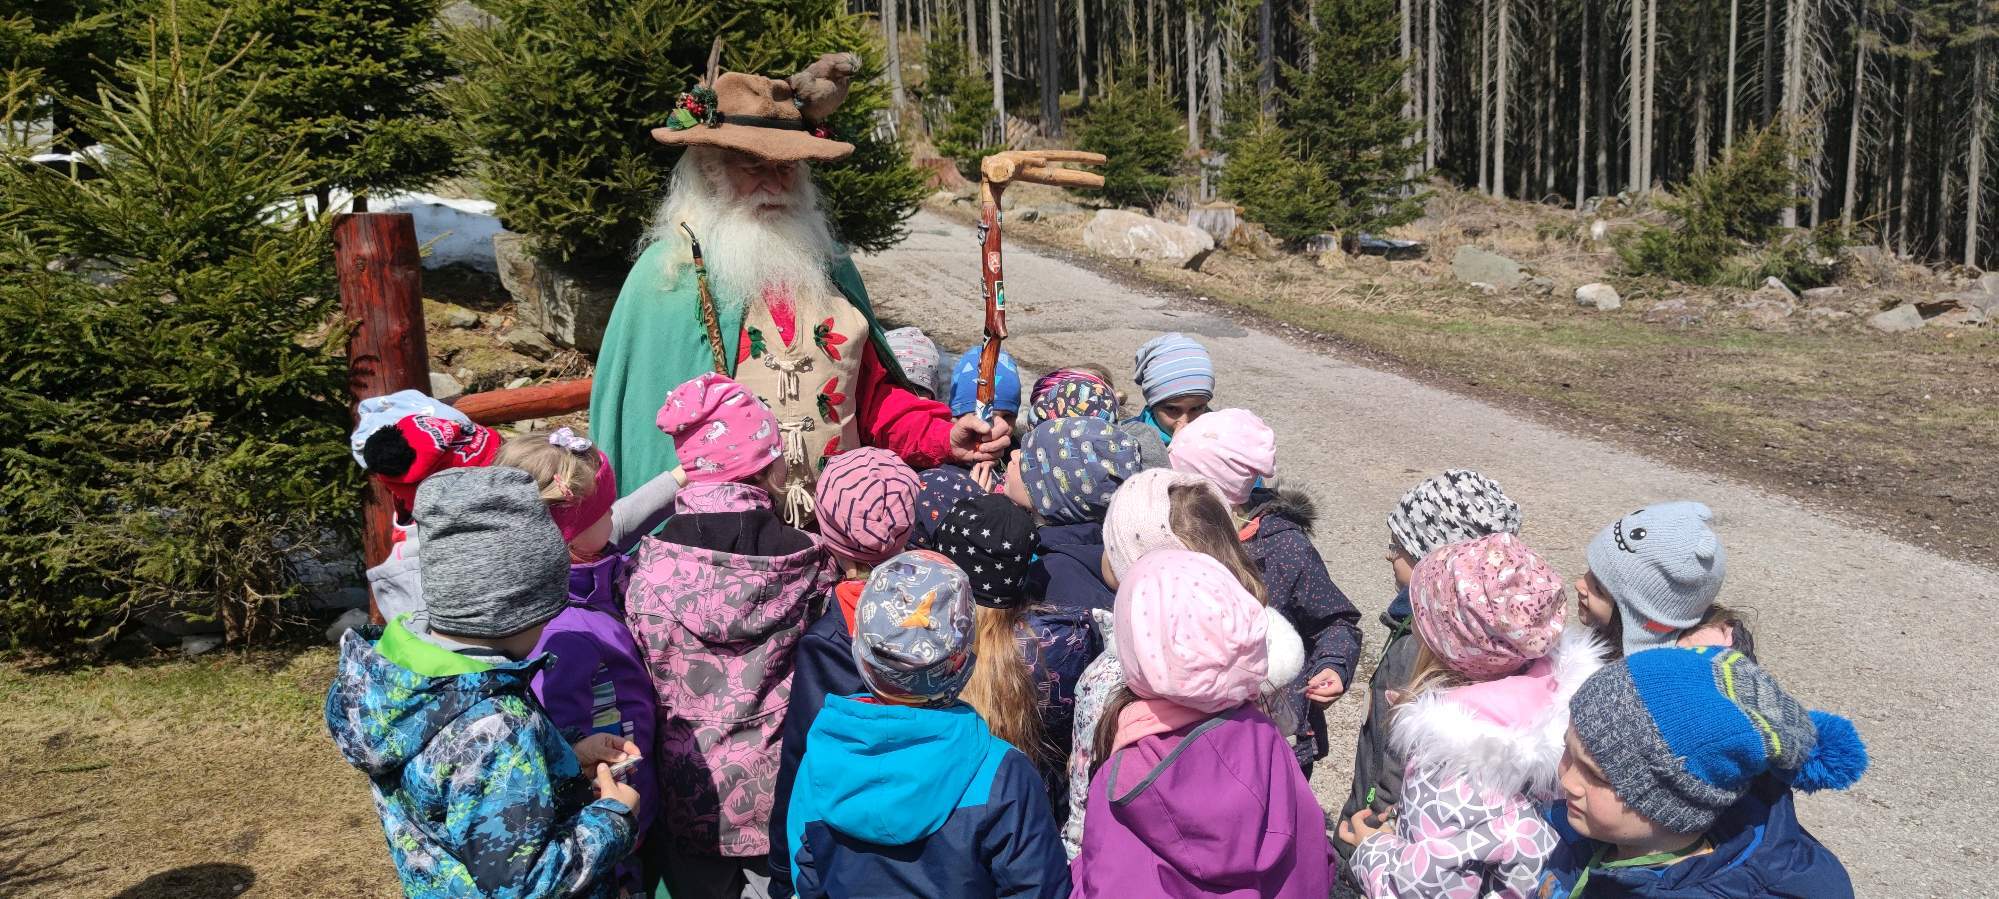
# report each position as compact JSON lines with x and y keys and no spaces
{"x":795,"y":322}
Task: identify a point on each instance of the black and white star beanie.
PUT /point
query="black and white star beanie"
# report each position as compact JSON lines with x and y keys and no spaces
{"x":993,"y":540}
{"x":1458,"y":505}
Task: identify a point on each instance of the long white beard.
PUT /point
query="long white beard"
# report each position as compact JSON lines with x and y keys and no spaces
{"x":748,"y":250}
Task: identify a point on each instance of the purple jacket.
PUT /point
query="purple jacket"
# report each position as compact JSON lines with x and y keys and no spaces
{"x":718,"y":601}
{"x":1217,"y":808}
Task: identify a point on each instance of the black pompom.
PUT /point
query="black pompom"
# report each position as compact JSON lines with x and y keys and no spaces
{"x":387,"y":453}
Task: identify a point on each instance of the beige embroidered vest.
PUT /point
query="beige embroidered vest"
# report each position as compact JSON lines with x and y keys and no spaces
{"x":811,"y":385}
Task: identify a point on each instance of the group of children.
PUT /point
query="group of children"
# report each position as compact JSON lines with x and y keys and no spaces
{"x":1097,"y":669}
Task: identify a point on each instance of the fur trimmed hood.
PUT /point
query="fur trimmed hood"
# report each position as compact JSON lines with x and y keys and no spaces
{"x":1290,"y":505}
{"x":1504,"y":735}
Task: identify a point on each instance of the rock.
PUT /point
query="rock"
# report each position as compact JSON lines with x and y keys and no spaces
{"x":349,"y":620}
{"x":1673,"y":312}
{"x":1220,"y":220}
{"x":1820,"y":315}
{"x":1822,"y":294}
{"x":1118,"y":234}
{"x":1772,"y":284}
{"x":571,"y":308}
{"x":1896,"y":320}
{"x":528,"y":342}
{"x":1967,"y":299}
{"x":1473,"y":265}
{"x":1989,"y":283}
{"x":461,"y":317}
{"x":1542,"y":287}
{"x":445,"y":387}
{"x":519,"y":382}
{"x":196,"y":644}
{"x":1599,"y":296}
{"x":1599,"y":231}
{"x":1251,"y":240}
{"x":1958,"y":318}
{"x":1769,"y":315}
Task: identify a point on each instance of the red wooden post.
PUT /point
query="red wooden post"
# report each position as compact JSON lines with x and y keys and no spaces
{"x":381,"y":291}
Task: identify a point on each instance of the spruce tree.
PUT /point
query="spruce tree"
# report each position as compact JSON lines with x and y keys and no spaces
{"x":174,"y":414}
{"x":71,"y":46}
{"x":1138,"y":129}
{"x":1345,"y":112}
{"x":1276,"y":187}
{"x":957,"y":101}
{"x":351,"y":81}
{"x":558,"y":98}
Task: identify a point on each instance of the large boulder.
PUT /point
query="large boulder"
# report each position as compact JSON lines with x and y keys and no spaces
{"x":1118,"y":234}
{"x":568,"y":308}
{"x":1896,"y":320}
{"x":1598,"y":296}
{"x":1473,"y":265}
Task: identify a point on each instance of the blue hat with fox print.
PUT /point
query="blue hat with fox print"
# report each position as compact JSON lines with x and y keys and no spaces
{"x":913,"y":630}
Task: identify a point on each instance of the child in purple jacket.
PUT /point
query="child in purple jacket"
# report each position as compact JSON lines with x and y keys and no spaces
{"x":597,"y":683}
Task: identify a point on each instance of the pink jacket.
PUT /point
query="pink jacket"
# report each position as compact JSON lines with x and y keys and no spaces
{"x":717,"y":602}
{"x":1479,"y":758}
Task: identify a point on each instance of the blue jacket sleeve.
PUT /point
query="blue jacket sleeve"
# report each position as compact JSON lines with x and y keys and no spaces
{"x":564,"y":687}
{"x":1019,"y":843}
{"x":502,"y":825}
{"x":817,"y":665}
{"x":1304,"y":592}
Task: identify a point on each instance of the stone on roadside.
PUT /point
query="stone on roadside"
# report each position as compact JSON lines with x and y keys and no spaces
{"x":528,"y":342}
{"x":444,"y":387}
{"x":1958,"y":318}
{"x":1475,"y":266}
{"x":196,"y":644}
{"x":461,"y":317}
{"x":1599,"y":296}
{"x":1896,"y":320}
{"x":1118,"y":234}
{"x":1674,"y":311}
{"x":1989,"y":283}
{"x":1822,"y":294}
{"x":1775,"y":285}
{"x":1542,"y":287}
{"x":519,"y":382}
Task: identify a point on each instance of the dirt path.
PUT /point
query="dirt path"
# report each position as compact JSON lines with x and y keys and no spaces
{"x":1849,"y":620}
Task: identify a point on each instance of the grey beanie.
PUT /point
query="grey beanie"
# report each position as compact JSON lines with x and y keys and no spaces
{"x":1452,"y":507}
{"x":492,"y":560}
{"x":1151,"y":449}
{"x":1663,"y":566}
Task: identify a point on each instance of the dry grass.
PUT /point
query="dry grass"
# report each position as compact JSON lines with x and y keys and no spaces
{"x":182,"y":780}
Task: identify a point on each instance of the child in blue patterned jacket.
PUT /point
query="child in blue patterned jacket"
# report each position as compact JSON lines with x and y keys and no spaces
{"x":478,"y":792}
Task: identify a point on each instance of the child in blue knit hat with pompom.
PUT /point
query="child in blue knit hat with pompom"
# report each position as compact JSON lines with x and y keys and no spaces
{"x":1677,"y":781}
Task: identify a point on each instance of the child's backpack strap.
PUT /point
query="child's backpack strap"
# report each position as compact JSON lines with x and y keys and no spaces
{"x":1164,"y":763}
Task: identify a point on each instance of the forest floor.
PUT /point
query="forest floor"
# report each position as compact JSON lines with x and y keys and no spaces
{"x":1817,"y":405}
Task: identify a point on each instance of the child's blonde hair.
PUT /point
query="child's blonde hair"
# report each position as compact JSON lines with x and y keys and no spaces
{"x":1002,"y":684}
{"x":1429,"y":673}
{"x":565,"y":476}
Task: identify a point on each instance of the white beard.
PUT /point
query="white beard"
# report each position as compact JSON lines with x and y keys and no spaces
{"x":747,"y":249}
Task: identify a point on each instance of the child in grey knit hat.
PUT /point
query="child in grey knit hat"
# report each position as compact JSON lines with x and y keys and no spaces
{"x":1652,"y":581}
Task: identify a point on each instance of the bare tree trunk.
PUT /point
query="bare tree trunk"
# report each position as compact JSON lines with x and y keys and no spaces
{"x":1503,"y":53}
{"x":1408,"y":68}
{"x":1635,"y":176}
{"x":1432,"y":108}
{"x":1486,"y":86}
{"x":1794,"y":39}
{"x":1770,"y":58}
{"x":1851,"y":194}
{"x":1049,"y":72}
{"x":1151,"y":33}
{"x":1702,"y":127}
{"x":1606,"y":136}
{"x":1651,"y":88}
{"x":1082,"y":49}
{"x":1908,"y":156}
{"x":998,"y":68}
{"x":1549,"y":94}
{"x":1582,"y":111}
{"x":1193,"y":93}
{"x":1214,"y":90}
{"x":1311,"y":24}
{"x":892,"y":33}
{"x":972,"y":32}
{"x":1266,"y":57}
{"x":1728,"y":117}
{"x":1981,"y":125}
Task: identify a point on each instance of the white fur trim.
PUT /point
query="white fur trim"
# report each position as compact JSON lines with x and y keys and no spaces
{"x":1285,"y":648}
{"x":1432,"y":731}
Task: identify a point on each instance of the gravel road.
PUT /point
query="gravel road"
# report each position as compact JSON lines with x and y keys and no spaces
{"x":1847,"y":619}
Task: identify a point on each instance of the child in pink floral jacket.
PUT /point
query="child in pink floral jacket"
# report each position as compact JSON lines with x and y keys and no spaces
{"x":1481,"y":723}
{"x":717,"y":602}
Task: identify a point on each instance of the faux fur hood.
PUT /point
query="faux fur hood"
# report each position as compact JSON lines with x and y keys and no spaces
{"x":1290,"y":505}
{"x":1446,"y":729}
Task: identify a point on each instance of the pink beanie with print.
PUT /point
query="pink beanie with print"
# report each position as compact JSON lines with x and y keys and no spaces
{"x":866,"y":504}
{"x":1231,"y":447}
{"x":720,"y":430}
{"x":1188,"y":633}
{"x":1487,"y":606}
{"x":1140,"y":517}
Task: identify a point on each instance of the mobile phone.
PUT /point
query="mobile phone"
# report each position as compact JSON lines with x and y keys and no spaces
{"x":618,"y":769}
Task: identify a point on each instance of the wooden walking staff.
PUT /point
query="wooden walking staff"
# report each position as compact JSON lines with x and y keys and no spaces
{"x":996,"y":172}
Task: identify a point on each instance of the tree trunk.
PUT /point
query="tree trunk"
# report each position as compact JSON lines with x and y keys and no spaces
{"x":1501,"y":54}
{"x":972,"y":33}
{"x":1193,"y":93}
{"x":1770,"y":57}
{"x":998,"y":69}
{"x":1606,"y":136}
{"x":1049,"y":71}
{"x":890,"y":31}
{"x":1651,"y":88}
{"x":1432,"y":108}
{"x":1851,"y":194}
{"x":1486,"y":100}
{"x":1974,"y":177}
{"x":1636,"y":122}
{"x":1582,"y":111}
{"x":1266,"y":57}
{"x":1702,"y":127}
{"x":1794,"y":39}
{"x":1082,"y":49}
{"x":1214,"y":88}
{"x":1728,"y":116}
{"x":1908,"y":207}
{"x":1312,"y":25}
{"x":1549,"y":94}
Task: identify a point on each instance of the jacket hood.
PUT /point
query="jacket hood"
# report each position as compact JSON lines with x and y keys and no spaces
{"x":1283,"y":510}
{"x":752,"y":571}
{"x":1398,"y":610}
{"x":891,"y":775}
{"x":1504,"y":735}
{"x":596,"y":585}
{"x":1085,"y":538}
{"x":382,"y":714}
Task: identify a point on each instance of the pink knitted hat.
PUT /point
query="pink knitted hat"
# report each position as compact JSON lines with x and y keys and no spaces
{"x":1231,"y":447}
{"x":866,"y":504}
{"x":1140,"y":518}
{"x":720,"y":430}
{"x":1188,"y":633}
{"x":1487,"y":606}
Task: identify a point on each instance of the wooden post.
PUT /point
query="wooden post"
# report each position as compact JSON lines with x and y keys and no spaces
{"x":381,"y":292}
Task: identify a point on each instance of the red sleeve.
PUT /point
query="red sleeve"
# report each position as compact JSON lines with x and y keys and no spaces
{"x":899,"y":421}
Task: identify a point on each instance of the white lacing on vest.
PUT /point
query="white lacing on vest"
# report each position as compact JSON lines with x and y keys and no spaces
{"x":789,"y":369}
{"x":797,"y":496}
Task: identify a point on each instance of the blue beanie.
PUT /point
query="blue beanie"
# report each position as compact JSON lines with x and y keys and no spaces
{"x":1681,"y":734}
{"x":1173,"y":365}
{"x":965,"y":383}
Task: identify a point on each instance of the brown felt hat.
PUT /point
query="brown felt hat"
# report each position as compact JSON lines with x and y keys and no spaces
{"x":768,"y":118}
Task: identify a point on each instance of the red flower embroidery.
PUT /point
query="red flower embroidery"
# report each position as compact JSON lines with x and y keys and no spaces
{"x":828,"y":339}
{"x":832,"y":447}
{"x":830,"y":400}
